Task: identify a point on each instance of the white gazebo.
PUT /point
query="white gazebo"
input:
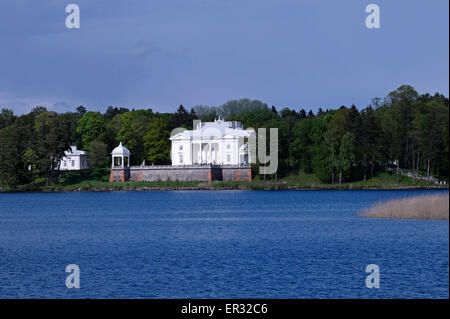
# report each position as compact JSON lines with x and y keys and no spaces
{"x":120,"y":157}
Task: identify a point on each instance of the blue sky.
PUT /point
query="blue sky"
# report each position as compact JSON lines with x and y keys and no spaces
{"x":160,"y":54}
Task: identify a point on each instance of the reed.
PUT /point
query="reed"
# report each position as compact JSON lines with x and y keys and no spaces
{"x":419,"y":207}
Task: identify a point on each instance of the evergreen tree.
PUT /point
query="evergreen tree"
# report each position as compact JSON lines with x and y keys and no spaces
{"x":302,"y":114}
{"x":274,"y":109}
{"x":81,"y":110}
{"x":181,"y":118}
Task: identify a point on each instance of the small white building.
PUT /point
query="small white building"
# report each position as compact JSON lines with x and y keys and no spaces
{"x":120,"y":157}
{"x":74,"y":160}
{"x":219,"y":143}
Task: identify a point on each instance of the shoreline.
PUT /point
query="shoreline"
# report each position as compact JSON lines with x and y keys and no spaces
{"x":83,"y":183}
{"x":224,"y":188}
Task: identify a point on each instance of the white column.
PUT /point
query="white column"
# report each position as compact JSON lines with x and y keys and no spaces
{"x":221,"y":152}
{"x":210,"y":152}
{"x":237,"y":151}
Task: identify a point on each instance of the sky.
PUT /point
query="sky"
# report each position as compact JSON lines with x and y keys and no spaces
{"x":159,"y":54}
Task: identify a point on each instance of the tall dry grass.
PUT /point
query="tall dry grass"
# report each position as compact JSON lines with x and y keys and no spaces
{"x":419,"y":207}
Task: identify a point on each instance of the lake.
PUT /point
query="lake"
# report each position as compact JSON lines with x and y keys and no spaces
{"x":217,"y":244}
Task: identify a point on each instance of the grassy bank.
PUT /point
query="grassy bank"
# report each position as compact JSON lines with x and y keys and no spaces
{"x":85,"y":181}
{"x":419,"y":207}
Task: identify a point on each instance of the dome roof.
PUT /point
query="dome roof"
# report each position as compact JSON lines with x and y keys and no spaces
{"x":120,"y":150}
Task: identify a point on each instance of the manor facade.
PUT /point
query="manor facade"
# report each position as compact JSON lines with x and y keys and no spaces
{"x":211,"y":151}
{"x":217,"y":143}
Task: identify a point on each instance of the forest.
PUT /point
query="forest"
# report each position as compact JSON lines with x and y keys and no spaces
{"x":404,"y":130}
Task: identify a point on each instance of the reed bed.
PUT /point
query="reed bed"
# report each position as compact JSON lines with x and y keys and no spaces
{"x":419,"y":207}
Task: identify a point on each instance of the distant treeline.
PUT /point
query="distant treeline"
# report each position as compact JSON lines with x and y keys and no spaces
{"x":404,"y":129}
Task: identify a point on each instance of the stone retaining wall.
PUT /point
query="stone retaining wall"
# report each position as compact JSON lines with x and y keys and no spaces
{"x":206,"y":173}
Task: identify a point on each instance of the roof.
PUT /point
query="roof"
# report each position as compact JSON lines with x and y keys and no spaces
{"x":120,"y":150}
{"x":217,"y":129}
{"x":74,"y":151}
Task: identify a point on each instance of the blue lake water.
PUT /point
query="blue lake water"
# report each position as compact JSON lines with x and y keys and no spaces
{"x":217,"y":244}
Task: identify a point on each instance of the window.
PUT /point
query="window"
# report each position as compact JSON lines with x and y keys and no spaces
{"x":181,"y":159}
{"x":65,"y":163}
{"x":228,"y":146}
{"x":180,"y":148}
{"x":73,"y":163}
{"x":228,"y":158}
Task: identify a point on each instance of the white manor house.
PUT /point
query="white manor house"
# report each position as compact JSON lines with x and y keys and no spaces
{"x":211,"y":151}
{"x":218,"y":143}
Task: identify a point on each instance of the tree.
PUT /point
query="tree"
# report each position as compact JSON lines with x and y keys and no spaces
{"x":193,"y":115}
{"x":52,"y":139}
{"x":38,"y":110}
{"x":320,"y":112}
{"x":346,"y":154}
{"x":335,"y":130}
{"x":300,"y":146}
{"x":112,"y":112}
{"x":236,"y":108}
{"x":290,"y":117}
{"x":302,"y":114}
{"x":98,"y":154}
{"x":81,"y":110}
{"x":91,"y":127}
{"x":370,"y":139}
{"x":30,"y":160}
{"x":181,"y":118}
{"x":71,"y":120}
{"x":321,"y":163}
{"x":157,"y":143}
{"x":6,"y":118}
{"x":332,"y":140}
{"x":205,"y":113}
{"x":402,"y":104}
{"x":274,"y":109}
{"x":431,"y":126}
{"x":8,"y":156}
{"x":130,"y":129}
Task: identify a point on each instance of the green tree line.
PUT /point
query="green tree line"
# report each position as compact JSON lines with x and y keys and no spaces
{"x":405,"y":129}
